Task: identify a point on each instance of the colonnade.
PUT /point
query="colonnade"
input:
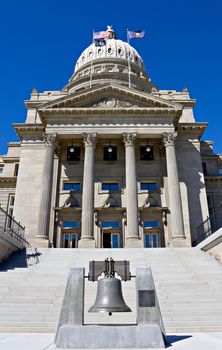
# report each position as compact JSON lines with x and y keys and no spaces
{"x":87,"y":221}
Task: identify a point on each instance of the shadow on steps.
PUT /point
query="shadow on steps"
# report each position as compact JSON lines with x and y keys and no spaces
{"x":21,"y":259}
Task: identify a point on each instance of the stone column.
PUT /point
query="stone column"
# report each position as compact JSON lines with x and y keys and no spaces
{"x":176,"y":211}
{"x":46,"y":190}
{"x":87,"y":237}
{"x":132,"y":236}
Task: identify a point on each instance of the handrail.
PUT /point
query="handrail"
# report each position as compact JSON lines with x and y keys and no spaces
{"x":207,"y":227}
{"x":11,"y":227}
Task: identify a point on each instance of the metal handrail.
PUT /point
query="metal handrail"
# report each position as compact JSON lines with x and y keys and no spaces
{"x":207,"y":227}
{"x":11,"y":227}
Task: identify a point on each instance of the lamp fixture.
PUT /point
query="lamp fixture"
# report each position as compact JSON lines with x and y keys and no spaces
{"x":110,"y":149}
{"x":148,"y":148}
{"x":72,"y":148}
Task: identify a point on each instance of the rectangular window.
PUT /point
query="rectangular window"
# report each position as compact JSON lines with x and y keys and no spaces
{"x":115,"y":240}
{"x":148,"y":186}
{"x":110,"y":224}
{"x":151,"y":224}
{"x":204,"y":166}
{"x":151,"y":240}
{"x":109,"y":152}
{"x":110,"y":186}
{"x":16,"y":169}
{"x":73,"y":153}
{"x":75,"y":186}
{"x":1,"y":171}
{"x":219,"y":171}
{"x":146,"y":152}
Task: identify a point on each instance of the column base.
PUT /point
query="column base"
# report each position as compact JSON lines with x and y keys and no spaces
{"x":87,"y":243}
{"x":41,"y":241}
{"x":133,"y":242}
{"x":179,"y":241}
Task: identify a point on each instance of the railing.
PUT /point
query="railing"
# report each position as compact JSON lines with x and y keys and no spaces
{"x":12,"y":228}
{"x":208,"y":227}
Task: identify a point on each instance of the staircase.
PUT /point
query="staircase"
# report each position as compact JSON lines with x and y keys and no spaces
{"x":188,"y":283}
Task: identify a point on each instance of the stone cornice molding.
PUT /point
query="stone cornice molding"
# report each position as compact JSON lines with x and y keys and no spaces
{"x":109,"y":89}
{"x":8,"y":180}
{"x":129,"y":139}
{"x":89,"y":139}
{"x":196,"y":128}
{"x":169,"y":139}
{"x":215,"y":179}
{"x":50,"y":139}
{"x":29,"y":131}
{"x":7,"y":159}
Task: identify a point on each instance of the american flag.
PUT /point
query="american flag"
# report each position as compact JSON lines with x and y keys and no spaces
{"x":100,"y":35}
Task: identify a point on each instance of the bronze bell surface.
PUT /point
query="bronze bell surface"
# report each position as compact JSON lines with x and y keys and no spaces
{"x":109,"y":296}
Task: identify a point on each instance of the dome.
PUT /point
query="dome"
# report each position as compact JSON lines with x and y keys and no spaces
{"x":114,"y":49}
{"x":109,"y":61}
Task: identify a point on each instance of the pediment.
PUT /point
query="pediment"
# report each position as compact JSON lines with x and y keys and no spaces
{"x":108,"y":97}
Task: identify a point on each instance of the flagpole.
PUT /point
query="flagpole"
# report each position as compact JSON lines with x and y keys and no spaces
{"x":129,"y":66}
{"x":90,"y":82}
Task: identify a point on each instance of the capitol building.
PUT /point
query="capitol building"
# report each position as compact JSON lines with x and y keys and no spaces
{"x":111,"y":160}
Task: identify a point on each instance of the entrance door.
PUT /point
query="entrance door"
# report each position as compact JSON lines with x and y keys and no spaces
{"x":70,"y":240}
{"x":111,"y":240}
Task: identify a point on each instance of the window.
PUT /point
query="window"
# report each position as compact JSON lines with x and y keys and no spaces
{"x":16,"y":169}
{"x":146,"y":152}
{"x":204,"y":165}
{"x":109,"y":152}
{"x":1,"y":171}
{"x":11,"y":201}
{"x":73,"y":153}
{"x":151,"y":240}
{"x":110,"y":186}
{"x":219,"y":171}
{"x":148,"y":186}
{"x":75,"y":186}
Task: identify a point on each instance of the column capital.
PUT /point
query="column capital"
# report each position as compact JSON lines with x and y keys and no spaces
{"x":169,"y":139}
{"x":89,"y":139}
{"x":50,"y":139}
{"x":129,"y":139}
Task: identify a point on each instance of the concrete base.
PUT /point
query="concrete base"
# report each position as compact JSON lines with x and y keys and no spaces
{"x":179,"y":242}
{"x":110,"y":337}
{"x":41,"y":242}
{"x":133,"y":242}
{"x":87,"y":243}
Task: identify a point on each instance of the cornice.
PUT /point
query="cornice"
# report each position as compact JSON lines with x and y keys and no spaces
{"x":26,"y":129}
{"x":7,"y":159}
{"x":8,"y":180}
{"x":197,"y":128}
{"x":215,"y":179}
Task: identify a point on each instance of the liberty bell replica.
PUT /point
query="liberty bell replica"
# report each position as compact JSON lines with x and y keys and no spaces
{"x":109,"y":296}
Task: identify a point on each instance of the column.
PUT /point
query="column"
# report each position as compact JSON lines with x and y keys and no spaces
{"x":176,"y":211}
{"x":46,"y":189}
{"x":132,"y":236}
{"x":87,"y":236}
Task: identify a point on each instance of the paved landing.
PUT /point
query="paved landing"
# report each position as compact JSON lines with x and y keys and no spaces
{"x":44,"y":341}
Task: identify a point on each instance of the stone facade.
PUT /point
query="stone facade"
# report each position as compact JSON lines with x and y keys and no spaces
{"x":156,"y":189}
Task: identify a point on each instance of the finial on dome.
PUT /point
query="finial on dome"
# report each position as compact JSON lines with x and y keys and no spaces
{"x":112,"y":34}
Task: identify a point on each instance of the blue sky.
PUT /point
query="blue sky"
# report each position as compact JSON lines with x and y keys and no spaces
{"x":41,"y":40}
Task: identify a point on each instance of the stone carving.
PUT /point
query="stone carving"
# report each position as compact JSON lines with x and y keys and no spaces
{"x":150,"y":202}
{"x":71,"y":201}
{"x":110,"y":202}
{"x":113,"y":102}
{"x":129,"y":138}
{"x":50,"y":139}
{"x":89,"y":139}
{"x":168,"y":139}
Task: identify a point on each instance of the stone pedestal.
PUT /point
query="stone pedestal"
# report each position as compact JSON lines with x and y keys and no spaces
{"x":87,"y":236}
{"x":176,"y":212}
{"x":132,"y":233}
{"x":46,"y":188}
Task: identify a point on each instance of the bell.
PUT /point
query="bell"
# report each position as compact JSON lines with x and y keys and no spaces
{"x":109,"y":296}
